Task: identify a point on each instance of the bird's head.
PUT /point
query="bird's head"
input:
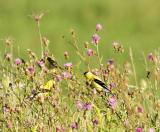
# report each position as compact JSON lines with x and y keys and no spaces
{"x":88,"y":75}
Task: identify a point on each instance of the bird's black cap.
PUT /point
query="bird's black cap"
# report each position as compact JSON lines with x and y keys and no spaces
{"x":85,"y":73}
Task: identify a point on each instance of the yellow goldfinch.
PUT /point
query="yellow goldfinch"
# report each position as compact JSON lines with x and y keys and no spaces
{"x":44,"y":91}
{"x":48,"y":85}
{"x":95,"y":82}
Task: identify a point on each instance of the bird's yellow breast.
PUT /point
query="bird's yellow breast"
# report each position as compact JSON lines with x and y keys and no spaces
{"x":96,"y":86}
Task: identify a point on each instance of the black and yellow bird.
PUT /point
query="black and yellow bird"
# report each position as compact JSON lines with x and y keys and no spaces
{"x":44,"y":90}
{"x":96,"y":82}
{"x":52,"y":65}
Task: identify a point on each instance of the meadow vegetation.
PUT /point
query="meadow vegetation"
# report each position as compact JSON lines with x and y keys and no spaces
{"x":69,"y":104}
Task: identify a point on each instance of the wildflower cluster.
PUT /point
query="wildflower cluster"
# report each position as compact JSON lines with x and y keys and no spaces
{"x":39,"y":94}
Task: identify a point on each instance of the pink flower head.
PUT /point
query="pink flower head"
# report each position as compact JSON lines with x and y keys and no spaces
{"x":74,"y":125}
{"x":87,"y":106}
{"x":112,"y":85}
{"x":98,"y":27}
{"x":139,"y":129}
{"x":59,"y":129}
{"x":18,"y":61}
{"x":90,"y":52}
{"x":140,"y":109}
{"x":110,"y":64}
{"x":95,"y":122}
{"x":30,"y":70}
{"x":58,"y":78}
{"x":126,"y":122}
{"x":79,"y":105}
{"x":41,"y":63}
{"x":96,"y":72}
{"x":46,"y":54}
{"x":66,"y":75}
{"x":68,"y":65}
{"x":151,"y":130}
{"x":150,"y":57}
{"x":112,"y":101}
{"x":95,"y":38}
{"x":6,"y":110}
{"x":9,"y":125}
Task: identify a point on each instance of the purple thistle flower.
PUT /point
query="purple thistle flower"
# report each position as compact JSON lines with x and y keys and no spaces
{"x":95,"y":38}
{"x":41,"y":63}
{"x":18,"y":61}
{"x":112,"y":101}
{"x":9,"y":125}
{"x":58,"y":78}
{"x":126,"y":122}
{"x":46,"y":54}
{"x":110,"y":64}
{"x":96,"y":72}
{"x":59,"y":129}
{"x":150,"y":57}
{"x":139,"y":129}
{"x":87,"y":106}
{"x":68,"y":65}
{"x":95,"y":122}
{"x":151,"y":130}
{"x":98,"y":27}
{"x":111,"y":85}
{"x":74,"y":125}
{"x":140,"y":109}
{"x":79,"y":105}
{"x":6,"y":110}
{"x":90,"y":52}
{"x":66,"y":75}
{"x":30,"y":70}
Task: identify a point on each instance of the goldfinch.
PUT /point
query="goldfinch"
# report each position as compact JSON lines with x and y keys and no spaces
{"x":43,"y":91}
{"x":48,"y":86}
{"x":95,"y":82}
{"x":52,"y":65}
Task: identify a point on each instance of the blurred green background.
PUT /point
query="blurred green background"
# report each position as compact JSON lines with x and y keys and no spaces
{"x":133,"y":23}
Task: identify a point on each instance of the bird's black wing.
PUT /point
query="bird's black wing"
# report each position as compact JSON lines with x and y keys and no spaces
{"x":52,"y":62}
{"x":101,"y":84}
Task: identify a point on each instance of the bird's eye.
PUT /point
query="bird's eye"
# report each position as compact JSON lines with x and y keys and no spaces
{"x":85,"y":73}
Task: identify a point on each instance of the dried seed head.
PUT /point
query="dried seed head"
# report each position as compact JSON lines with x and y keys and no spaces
{"x":8,"y":56}
{"x":37,"y":17}
{"x":8,"y":41}
{"x":66,"y":55}
{"x":31,"y":53}
{"x":45,"y":41}
{"x":86,"y":44}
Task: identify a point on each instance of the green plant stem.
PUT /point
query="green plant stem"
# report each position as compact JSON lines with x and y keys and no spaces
{"x":40,"y":37}
{"x":133,"y":66}
{"x":99,"y":59}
